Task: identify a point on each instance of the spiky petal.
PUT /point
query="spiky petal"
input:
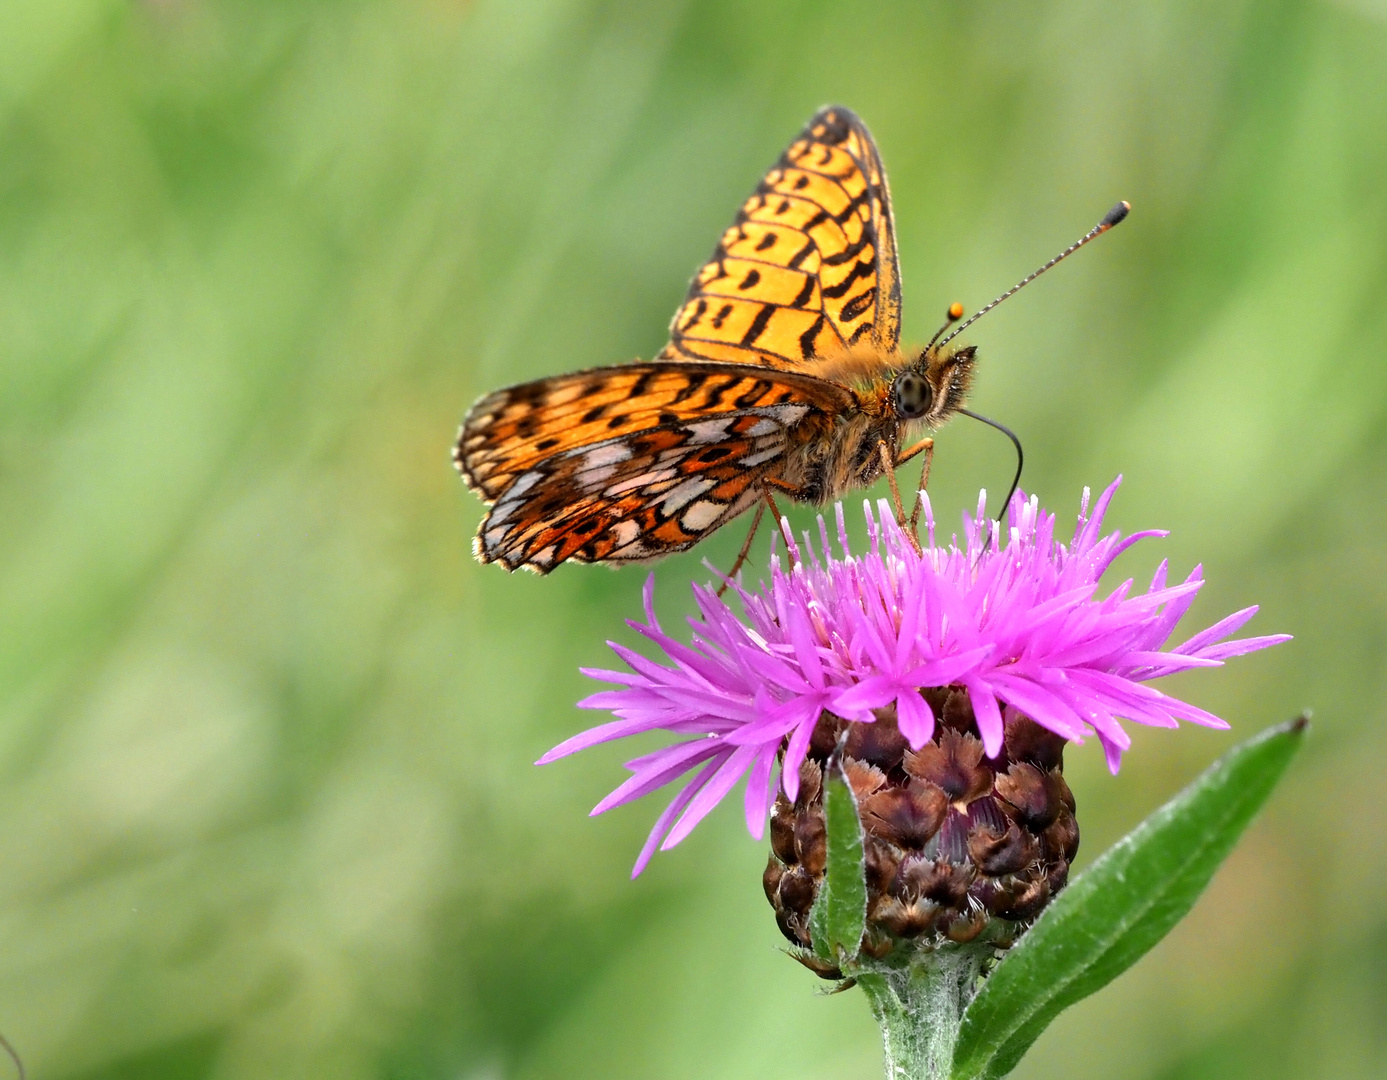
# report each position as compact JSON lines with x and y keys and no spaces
{"x":1014,"y":622}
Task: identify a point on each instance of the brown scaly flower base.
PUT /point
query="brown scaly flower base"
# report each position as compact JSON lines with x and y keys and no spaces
{"x":956,"y":844}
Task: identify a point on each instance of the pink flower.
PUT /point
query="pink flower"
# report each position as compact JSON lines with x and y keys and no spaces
{"x":1017,"y":625}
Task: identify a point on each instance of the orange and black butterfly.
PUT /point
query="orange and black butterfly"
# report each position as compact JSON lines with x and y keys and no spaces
{"x":783,"y":374}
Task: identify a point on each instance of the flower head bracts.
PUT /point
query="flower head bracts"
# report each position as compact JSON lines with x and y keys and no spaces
{"x":1016,"y":623}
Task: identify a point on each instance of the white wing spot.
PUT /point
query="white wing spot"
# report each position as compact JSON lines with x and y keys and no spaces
{"x":786,"y":415}
{"x":492,"y":539}
{"x":634,"y":550}
{"x":707,"y":431}
{"x":592,"y":479}
{"x":688,"y":490}
{"x":700,"y":515}
{"x":522,"y":485}
{"x":612,"y":453}
{"x":645,"y":479}
{"x":761,"y":456}
{"x":625,"y":532}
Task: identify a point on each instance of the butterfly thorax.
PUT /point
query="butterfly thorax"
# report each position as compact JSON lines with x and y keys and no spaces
{"x":832,"y":454}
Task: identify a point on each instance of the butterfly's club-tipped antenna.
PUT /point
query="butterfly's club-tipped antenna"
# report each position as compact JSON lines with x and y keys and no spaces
{"x":951,"y":316}
{"x":1111,"y":218}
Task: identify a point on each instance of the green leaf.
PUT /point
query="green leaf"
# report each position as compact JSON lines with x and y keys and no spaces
{"x":1125,"y":903}
{"x":840,"y":912}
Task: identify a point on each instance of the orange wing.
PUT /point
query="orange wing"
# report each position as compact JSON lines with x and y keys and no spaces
{"x":629,"y":462}
{"x":809,"y":266}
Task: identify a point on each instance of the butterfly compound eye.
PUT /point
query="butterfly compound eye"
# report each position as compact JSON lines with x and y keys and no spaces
{"x":911,"y":395}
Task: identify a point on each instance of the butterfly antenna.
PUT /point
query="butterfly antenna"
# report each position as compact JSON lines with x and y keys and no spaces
{"x":951,"y":316}
{"x":1111,"y":218}
{"x":1020,"y":456}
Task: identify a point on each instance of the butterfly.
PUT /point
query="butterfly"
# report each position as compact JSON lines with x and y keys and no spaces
{"x":783,"y":375}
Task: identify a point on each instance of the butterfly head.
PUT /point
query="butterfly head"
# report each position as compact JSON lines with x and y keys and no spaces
{"x":934,"y":386}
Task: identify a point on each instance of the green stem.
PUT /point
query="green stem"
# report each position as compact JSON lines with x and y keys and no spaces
{"x":921,"y":1007}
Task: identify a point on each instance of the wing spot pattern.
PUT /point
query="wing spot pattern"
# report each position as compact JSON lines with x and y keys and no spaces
{"x":859,"y":270}
{"x":808,"y":339}
{"x":707,"y":431}
{"x":753,"y":396}
{"x":858,"y":306}
{"x":696,"y":380}
{"x":716,"y":393}
{"x":700,"y":309}
{"x":803,"y":253}
{"x":700,"y":515}
{"x":759,"y":324}
{"x":613,"y":453}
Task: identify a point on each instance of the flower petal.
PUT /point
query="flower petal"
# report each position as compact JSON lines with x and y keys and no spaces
{"x":915,"y":718}
{"x":1013,"y":616}
{"x":733,"y":766}
{"x":671,"y":811}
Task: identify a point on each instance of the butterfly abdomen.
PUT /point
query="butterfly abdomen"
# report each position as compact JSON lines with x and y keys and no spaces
{"x":821,"y":466}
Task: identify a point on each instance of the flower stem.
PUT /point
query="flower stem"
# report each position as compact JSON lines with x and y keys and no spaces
{"x":921,"y":1007}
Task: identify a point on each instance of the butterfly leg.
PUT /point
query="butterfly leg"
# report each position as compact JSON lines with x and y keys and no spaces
{"x":789,"y":489}
{"x":889,"y":467}
{"x":779,"y":485}
{"x":746,"y":547}
{"x":927,"y":446}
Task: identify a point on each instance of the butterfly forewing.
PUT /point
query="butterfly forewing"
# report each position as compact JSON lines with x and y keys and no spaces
{"x":809,"y":266}
{"x":512,"y":430}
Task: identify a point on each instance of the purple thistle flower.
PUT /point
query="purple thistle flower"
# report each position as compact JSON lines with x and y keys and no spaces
{"x":1018,"y":626}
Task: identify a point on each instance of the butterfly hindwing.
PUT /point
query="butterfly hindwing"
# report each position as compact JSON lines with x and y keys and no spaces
{"x":809,"y":266}
{"x":629,"y":462}
{"x":634,"y":497}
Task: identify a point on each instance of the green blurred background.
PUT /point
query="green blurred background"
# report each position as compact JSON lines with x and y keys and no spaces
{"x":267,"y":805}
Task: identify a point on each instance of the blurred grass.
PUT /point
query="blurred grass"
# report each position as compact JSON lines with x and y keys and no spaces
{"x":265,"y":729}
